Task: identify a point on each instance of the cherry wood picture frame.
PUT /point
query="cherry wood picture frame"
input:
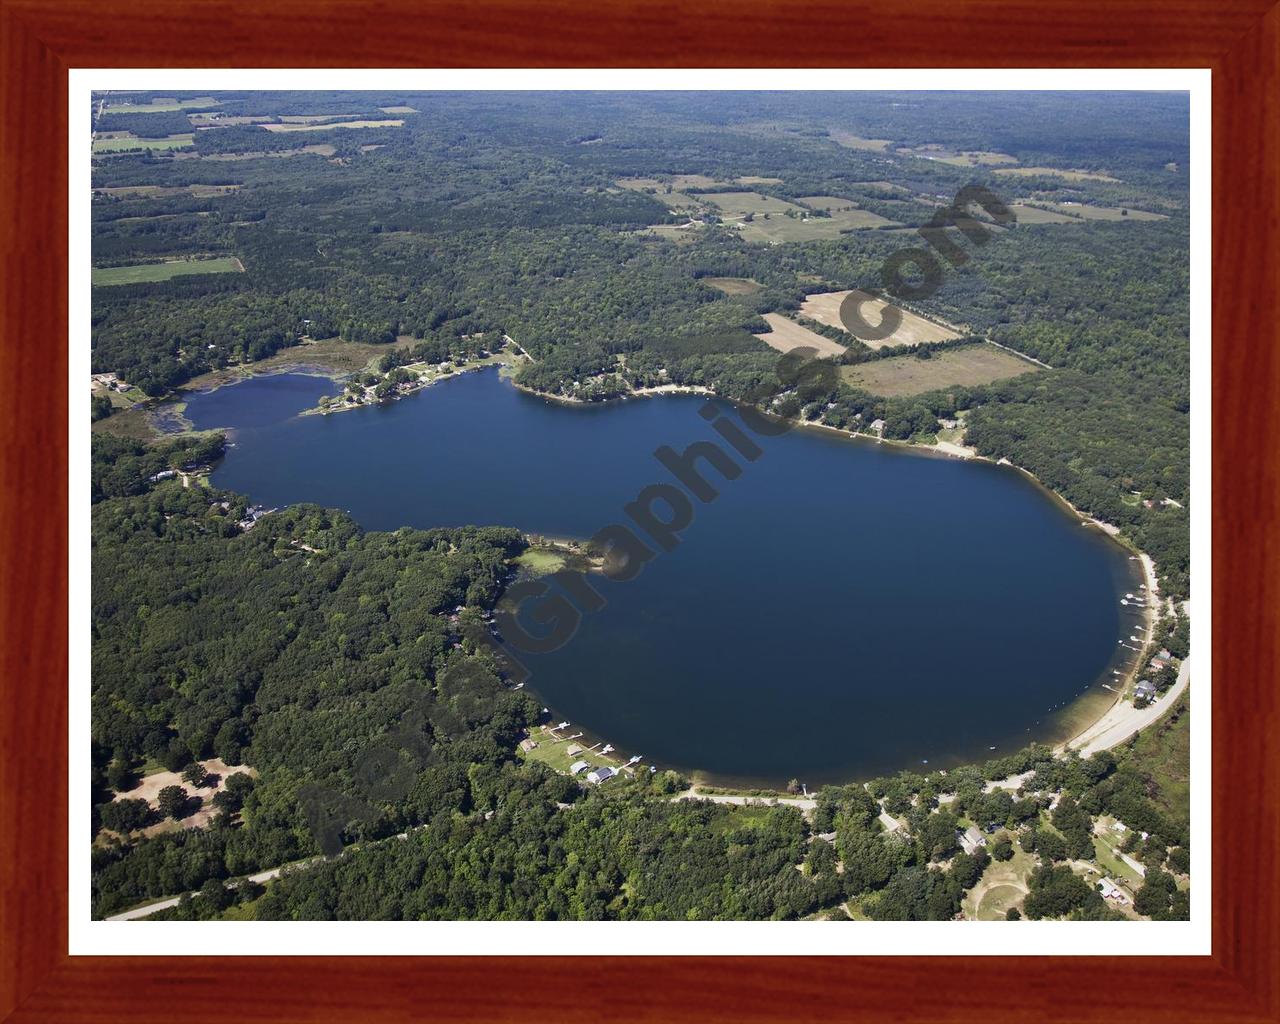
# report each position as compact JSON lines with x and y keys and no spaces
{"x":41,"y":39}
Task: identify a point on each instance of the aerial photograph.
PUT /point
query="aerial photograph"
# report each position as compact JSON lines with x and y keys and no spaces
{"x":639,"y":506}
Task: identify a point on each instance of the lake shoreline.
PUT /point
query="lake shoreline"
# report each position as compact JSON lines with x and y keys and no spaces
{"x":568,"y":543}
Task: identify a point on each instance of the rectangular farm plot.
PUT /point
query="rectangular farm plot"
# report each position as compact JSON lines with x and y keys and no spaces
{"x":1033,"y":172}
{"x":165,"y":271}
{"x":119,"y":144}
{"x":1107,"y":212}
{"x":294,"y":127}
{"x":952,"y":367}
{"x":824,"y":307}
{"x":1037,"y":215}
{"x":733,"y":285}
{"x":785,"y":334}
{"x":775,"y":221}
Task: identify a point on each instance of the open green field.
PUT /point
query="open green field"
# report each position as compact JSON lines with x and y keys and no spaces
{"x":1086,"y":212}
{"x":331,"y":125}
{"x":736,"y":205}
{"x":1054,"y":172}
{"x":164,"y":271}
{"x":851,"y":141}
{"x":1038,"y":215}
{"x":159,"y":106}
{"x":956,"y":367}
{"x":680,"y":233}
{"x":1002,"y":885}
{"x":732,"y":285}
{"x":965,"y":158}
{"x":120,"y":144}
{"x":776,"y":221}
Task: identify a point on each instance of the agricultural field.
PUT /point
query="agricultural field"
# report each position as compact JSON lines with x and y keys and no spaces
{"x":120,"y":143}
{"x":824,"y":307}
{"x":828,"y":203}
{"x":1033,"y":172}
{"x":851,"y":141}
{"x":752,"y":179}
{"x":943,"y":155}
{"x":775,"y":221}
{"x":736,"y":205}
{"x":1085,"y":212}
{"x":732,"y":285}
{"x":320,"y":149}
{"x":159,"y":106}
{"x":785,"y":334}
{"x":1037,"y":215}
{"x":165,"y":271}
{"x":675,"y":181}
{"x":331,"y":125}
{"x":954,"y":367}
{"x":682,"y":233}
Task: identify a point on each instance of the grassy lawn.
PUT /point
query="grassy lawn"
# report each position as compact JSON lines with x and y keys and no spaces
{"x":164,"y":271}
{"x":119,"y":144}
{"x":541,"y":561}
{"x":553,"y":751}
{"x":1002,"y":885}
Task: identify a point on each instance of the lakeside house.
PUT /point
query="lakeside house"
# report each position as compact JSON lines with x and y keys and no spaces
{"x":1146,"y":690}
{"x":971,"y":840}
{"x":877,"y":427}
{"x":578,"y":766}
{"x":573,"y":750}
{"x":601,"y":774}
{"x":1111,"y":891}
{"x":528,"y":744}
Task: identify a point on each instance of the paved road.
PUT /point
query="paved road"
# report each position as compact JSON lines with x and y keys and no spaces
{"x":1123,"y":720}
{"x":804,"y":803}
{"x":151,"y":908}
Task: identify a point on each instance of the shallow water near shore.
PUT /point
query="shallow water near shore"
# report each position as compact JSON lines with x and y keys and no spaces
{"x":842,"y":609}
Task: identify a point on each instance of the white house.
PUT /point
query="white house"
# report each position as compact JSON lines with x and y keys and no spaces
{"x":578,"y":766}
{"x":600,"y":774}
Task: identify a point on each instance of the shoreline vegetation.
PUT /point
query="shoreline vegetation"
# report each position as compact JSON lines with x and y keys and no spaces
{"x":547,"y":555}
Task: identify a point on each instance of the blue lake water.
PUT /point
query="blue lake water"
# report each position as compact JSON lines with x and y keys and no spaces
{"x":843,"y":609}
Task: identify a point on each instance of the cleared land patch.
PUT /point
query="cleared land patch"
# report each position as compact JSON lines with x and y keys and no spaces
{"x":160,"y":106}
{"x":1002,"y":885}
{"x":824,"y":307}
{"x":676,"y":181}
{"x":851,"y":141}
{"x":962,"y":158}
{"x":828,"y":203}
{"x":953,"y":367}
{"x":1085,"y":212}
{"x":165,"y":271}
{"x":1037,"y":215}
{"x":119,"y":144}
{"x":786,"y":334}
{"x":1056,"y":172}
{"x":398,"y":110}
{"x":733,"y":285}
{"x":332,"y":124}
{"x":761,"y":218}
{"x":752,"y":179}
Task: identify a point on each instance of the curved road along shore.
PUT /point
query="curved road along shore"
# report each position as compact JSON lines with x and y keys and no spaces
{"x":1124,"y":720}
{"x":1117,"y":725}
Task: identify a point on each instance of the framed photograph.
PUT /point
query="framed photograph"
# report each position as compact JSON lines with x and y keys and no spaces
{"x":680,"y":527}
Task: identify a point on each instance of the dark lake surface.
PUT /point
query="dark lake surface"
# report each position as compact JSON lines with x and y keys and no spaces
{"x":843,"y":609}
